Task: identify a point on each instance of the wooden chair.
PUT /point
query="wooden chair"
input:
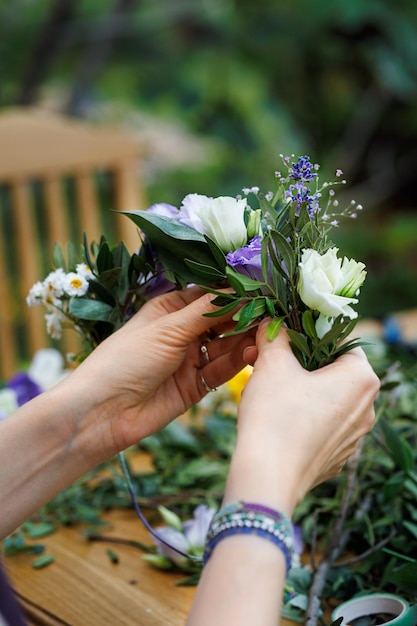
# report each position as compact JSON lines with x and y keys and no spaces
{"x":55,"y":174}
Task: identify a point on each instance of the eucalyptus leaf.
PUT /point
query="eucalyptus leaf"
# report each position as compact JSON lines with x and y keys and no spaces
{"x":90,"y":309}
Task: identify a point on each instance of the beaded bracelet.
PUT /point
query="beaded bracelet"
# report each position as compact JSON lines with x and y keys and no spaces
{"x":254,"y":519}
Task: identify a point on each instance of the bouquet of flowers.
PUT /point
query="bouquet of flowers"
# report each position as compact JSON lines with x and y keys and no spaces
{"x":274,"y":259}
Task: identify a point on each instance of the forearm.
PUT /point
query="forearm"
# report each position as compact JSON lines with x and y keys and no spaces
{"x":45,"y":446}
{"x":241,"y":584}
{"x":243,"y":581}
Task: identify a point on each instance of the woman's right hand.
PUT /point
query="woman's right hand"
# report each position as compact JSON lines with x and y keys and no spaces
{"x":297,"y":428}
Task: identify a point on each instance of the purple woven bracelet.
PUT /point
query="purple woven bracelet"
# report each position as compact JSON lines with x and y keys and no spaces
{"x":251,"y":518}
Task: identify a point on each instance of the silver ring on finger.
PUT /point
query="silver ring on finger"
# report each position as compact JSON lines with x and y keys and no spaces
{"x":204,"y":383}
{"x":204,"y":353}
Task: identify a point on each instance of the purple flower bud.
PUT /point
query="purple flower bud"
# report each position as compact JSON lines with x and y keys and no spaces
{"x":247,"y":260}
{"x":24,"y":387}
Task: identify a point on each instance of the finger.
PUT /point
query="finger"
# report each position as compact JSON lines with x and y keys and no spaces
{"x":250,"y":354}
{"x":210,"y":350}
{"x":225,"y":366}
{"x":168,"y":303}
{"x":191,"y":320}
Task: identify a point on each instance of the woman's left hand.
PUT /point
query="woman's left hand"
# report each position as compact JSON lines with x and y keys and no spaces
{"x":160,"y":364}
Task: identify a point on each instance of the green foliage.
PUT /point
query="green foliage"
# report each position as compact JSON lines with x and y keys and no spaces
{"x":336,"y":80}
{"x":379,"y":534}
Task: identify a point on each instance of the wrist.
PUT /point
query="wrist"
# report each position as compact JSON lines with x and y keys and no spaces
{"x":256,"y":476}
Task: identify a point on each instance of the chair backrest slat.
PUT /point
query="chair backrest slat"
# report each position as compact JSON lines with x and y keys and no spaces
{"x":42,"y":157}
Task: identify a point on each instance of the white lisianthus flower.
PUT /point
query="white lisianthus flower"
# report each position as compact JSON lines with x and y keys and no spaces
{"x":75,"y":284}
{"x":47,"y":368}
{"x":327,"y":285}
{"x":222,"y":219}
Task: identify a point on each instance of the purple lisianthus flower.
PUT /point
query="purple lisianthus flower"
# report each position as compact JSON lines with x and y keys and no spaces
{"x":155,"y":286}
{"x":247,"y":261}
{"x":150,"y":287}
{"x":190,"y":540}
{"x":196,"y":529}
{"x":163,"y":209}
{"x":24,"y":387}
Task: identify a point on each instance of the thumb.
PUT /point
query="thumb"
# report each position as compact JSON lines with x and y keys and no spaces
{"x":191,"y":320}
{"x":279,"y":348}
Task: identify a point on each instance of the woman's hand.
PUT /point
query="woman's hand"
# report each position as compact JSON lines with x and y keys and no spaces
{"x":153,"y":369}
{"x":297,"y":428}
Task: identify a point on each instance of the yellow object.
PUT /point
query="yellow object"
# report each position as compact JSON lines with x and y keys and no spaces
{"x":237,"y":384}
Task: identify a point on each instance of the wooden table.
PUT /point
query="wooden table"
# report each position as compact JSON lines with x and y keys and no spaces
{"x":82,"y":587}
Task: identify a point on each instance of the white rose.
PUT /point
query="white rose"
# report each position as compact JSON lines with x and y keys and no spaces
{"x":222,"y":219}
{"x":327,"y":284}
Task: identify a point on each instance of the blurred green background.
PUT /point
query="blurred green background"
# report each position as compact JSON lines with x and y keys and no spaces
{"x":214,"y":90}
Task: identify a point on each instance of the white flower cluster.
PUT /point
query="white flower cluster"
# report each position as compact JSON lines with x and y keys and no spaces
{"x":55,"y":291}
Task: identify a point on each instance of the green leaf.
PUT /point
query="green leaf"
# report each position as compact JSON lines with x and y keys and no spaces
{"x":224,"y":310}
{"x":90,"y":309}
{"x":205,"y":273}
{"x":308,"y":324}
{"x":102,"y":290}
{"x":299,"y":341}
{"x":241,"y":283}
{"x":405,"y":577}
{"x":270,"y":307}
{"x":104,"y":261}
{"x":400,"y":449}
{"x":87,"y":254}
{"x":190,"y":581}
{"x":36,"y":530}
{"x":412,"y":528}
{"x":251,"y":311}
{"x":114,"y":558}
{"x":218,"y":254}
{"x":43,"y":561}
{"x":174,"y":242}
{"x":287,"y":253}
{"x":58,"y":257}
{"x":273,"y":328}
